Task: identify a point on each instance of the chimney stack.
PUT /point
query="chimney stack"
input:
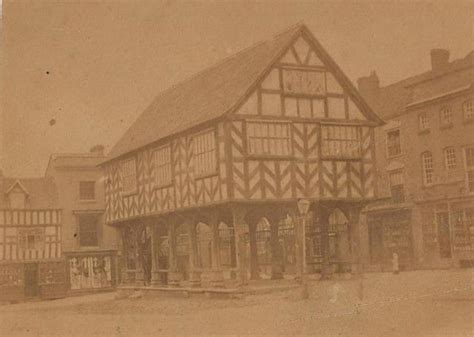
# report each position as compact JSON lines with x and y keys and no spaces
{"x":369,"y":87}
{"x":439,"y":59}
{"x":98,"y":150}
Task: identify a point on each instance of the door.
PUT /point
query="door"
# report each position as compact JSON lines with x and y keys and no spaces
{"x":31,"y":279}
{"x":444,"y":234}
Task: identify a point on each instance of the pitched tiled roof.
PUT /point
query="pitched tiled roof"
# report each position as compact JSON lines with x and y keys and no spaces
{"x":42,"y":192}
{"x":212,"y":93}
{"x":393,"y":99}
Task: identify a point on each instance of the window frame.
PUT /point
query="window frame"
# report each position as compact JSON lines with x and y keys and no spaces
{"x":401,"y":198}
{"x":468,"y":168}
{"x":450,"y":166}
{"x":358,"y":134}
{"x":423,"y":127}
{"x":93,"y":190}
{"x":259,"y":154}
{"x":170,"y":181}
{"x":465,"y":110}
{"x":387,"y":145}
{"x":80,"y":231}
{"x":442,"y":117}
{"x":214,"y":170}
{"x":424,"y":169}
{"x":134,"y":190}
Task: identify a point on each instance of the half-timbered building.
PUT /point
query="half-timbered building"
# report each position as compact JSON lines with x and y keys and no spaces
{"x":204,"y":185}
{"x":31,"y":262}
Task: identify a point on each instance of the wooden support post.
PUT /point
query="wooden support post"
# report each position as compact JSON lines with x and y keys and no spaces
{"x":174,"y":275}
{"x":194,"y":274}
{"x":357,"y":265}
{"x":238,"y":220}
{"x":299,"y":247}
{"x":277,"y":272}
{"x":155,"y":275}
{"x":139,"y":251}
{"x":217,"y":273}
{"x":324,"y":226}
{"x":254,"y":268}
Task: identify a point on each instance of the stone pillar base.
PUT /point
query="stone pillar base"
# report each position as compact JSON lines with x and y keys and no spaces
{"x":217,"y":279}
{"x":277,"y":273}
{"x":194,"y":279}
{"x":174,"y":278}
{"x":155,"y":278}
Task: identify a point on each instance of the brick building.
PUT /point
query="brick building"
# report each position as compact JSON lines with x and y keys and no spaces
{"x":425,"y":166}
{"x":205,"y":183}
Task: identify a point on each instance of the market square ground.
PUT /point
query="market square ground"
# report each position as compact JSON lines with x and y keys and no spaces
{"x":418,"y":303}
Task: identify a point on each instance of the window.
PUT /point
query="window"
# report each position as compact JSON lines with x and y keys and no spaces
{"x":304,"y":82}
{"x":31,"y":238}
{"x":393,"y":143}
{"x":17,"y":199}
{"x":268,"y":138}
{"x":128,"y":173}
{"x":427,"y":163}
{"x":396,"y":186}
{"x":87,"y":190}
{"x":205,"y":153}
{"x":470,"y":168}
{"x":162,"y":160}
{"x":468,"y":111}
{"x":88,"y":230}
{"x":450,"y":158}
{"x":446,"y":116}
{"x":341,"y":141}
{"x":423,"y":122}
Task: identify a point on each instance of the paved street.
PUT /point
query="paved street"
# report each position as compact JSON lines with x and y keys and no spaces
{"x":421,"y":303}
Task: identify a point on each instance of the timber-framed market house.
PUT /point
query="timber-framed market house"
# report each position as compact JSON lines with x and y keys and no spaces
{"x":204,"y":185}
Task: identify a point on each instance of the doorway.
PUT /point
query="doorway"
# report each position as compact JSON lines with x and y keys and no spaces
{"x":444,"y":235}
{"x":31,"y":280}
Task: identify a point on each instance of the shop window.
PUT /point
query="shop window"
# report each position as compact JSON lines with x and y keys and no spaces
{"x":268,"y":138}
{"x":446,"y":116}
{"x":128,"y":173}
{"x":397,"y":187}
{"x":450,"y":158}
{"x":468,"y":111}
{"x":87,"y":190}
{"x":162,"y":161}
{"x":205,"y":153}
{"x":469,"y":152}
{"x":88,"y":230}
{"x":428,"y":170}
{"x":393,"y":143}
{"x":423,"y":122}
{"x":463,"y":229}
{"x":341,"y":142}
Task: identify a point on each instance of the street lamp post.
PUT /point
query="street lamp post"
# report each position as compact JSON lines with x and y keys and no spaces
{"x":303,"y":208}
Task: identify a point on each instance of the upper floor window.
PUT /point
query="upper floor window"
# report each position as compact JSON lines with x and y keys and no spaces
{"x":31,"y":238}
{"x":162,"y":162}
{"x":128,"y":173}
{"x":450,"y":158}
{"x":446,"y":116}
{"x":88,"y":230}
{"x":469,"y":155}
{"x":393,"y":143}
{"x":268,"y":138}
{"x":304,"y":82}
{"x":17,"y":199}
{"x":428,"y":170}
{"x":397,"y":186}
{"x":205,"y":153}
{"x":87,"y":190}
{"x":423,"y":121}
{"x":341,"y":141}
{"x":468,"y":111}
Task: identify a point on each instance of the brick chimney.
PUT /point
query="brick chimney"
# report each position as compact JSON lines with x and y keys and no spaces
{"x":439,"y":59}
{"x":369,"y":87}
{"x":97,"y":150}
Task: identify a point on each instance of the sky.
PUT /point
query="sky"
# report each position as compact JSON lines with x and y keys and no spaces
{"x":78,"y":73}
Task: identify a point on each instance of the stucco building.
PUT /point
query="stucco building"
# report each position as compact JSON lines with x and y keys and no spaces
{"x":425,"y":158}
{"x":89,"y":247}
{"x":205,"y":184}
